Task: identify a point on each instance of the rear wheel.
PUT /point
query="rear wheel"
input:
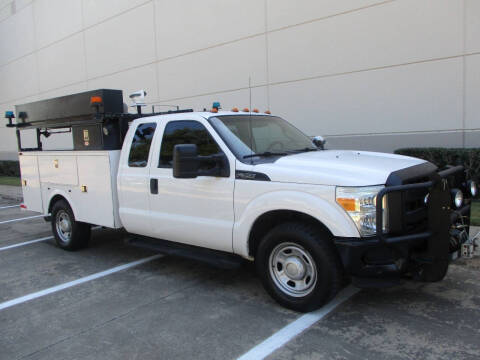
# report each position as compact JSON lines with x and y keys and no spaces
{"x":69,"y":234}
{"x":299,"y":266}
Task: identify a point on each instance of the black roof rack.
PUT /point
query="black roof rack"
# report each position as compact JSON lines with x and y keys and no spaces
{"x":97,"y":119}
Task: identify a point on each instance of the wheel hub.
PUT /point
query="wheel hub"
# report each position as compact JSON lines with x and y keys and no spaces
{"x":65,"y":225}
{"x":294,"y":268}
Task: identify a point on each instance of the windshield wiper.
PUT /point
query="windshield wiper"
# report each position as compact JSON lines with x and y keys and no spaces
{"x":266,"y":154}
{"x":304,"y":150}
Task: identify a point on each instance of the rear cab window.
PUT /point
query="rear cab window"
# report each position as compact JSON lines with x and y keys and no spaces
{"x":141,"y":143}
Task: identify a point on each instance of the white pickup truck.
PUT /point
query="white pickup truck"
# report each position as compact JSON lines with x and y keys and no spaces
{"x":221,"y":186}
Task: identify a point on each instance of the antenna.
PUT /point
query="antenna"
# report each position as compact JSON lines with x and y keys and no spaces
{"x":250,"y":117}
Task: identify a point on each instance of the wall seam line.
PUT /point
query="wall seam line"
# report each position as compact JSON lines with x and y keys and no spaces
{"x":263,"y":84}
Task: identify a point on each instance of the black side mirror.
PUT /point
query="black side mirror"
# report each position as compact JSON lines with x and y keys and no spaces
{"x":187,"y":164}
{"x":185,"y":161}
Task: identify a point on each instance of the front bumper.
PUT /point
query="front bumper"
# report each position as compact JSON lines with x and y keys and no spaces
{"x":383,"y":260}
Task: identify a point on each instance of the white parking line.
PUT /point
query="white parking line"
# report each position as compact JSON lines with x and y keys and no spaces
{"x":82,"y":280}
{"x":8,"y":207}
{"x":35,"y":241}
{"x":25,"y":243}
{"x":287,"y":333}
{"x":21,"y":219}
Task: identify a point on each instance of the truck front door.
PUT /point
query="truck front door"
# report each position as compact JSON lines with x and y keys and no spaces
{"x":193,"y":211}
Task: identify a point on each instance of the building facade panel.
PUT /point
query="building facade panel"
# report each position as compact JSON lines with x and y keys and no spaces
{"x":409,"y":98}
{"x":395,"y":33}
{"x":17,"y":32}
{"x":472,"y":92}
{"x":222,"y":68}
{"x":96,"y":11}
{"x":283,"y":13}
{"x":56,"y":19}
{"x":121,"y":43}
{"x":19,"y":79}
{"x":472,"y":26}
{"x":184,"y":26}
{"x":62,"y":63}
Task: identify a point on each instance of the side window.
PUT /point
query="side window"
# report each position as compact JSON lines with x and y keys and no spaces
{"x":138,"y":156}
{"x":186,"y":132}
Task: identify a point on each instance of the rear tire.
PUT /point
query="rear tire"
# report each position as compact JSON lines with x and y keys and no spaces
{"x":69,"y":234}
{"x":299,"y":266}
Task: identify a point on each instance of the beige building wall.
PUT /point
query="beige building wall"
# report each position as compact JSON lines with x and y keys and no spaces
{"x":368,"y":74}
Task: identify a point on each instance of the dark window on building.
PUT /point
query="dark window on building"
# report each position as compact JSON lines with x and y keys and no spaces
{"x":140,"y":148}
{"x":186,"y":132}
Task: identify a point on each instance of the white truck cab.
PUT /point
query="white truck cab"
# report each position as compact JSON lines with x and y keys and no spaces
{"x":221,"y":186}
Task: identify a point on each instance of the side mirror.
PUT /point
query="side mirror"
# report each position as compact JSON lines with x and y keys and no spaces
{"x":185,"y":161}
{"x":187,"y":164}
{"x":319,"y":142}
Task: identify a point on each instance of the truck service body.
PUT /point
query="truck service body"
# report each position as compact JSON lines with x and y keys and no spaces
{"x":244,"y":185}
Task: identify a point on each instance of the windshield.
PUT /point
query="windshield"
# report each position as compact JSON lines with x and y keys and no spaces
{"x":268,"y":135}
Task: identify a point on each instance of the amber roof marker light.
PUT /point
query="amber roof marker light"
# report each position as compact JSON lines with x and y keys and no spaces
{"x":96,"y":102}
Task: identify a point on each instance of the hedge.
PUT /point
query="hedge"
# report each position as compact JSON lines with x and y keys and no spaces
{"x":9,"y":168}
{"x":469,"y":158}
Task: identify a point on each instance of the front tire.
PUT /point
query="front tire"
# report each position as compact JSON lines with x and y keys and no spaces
{"x":69,"y":234}
{"x":299,"y":266}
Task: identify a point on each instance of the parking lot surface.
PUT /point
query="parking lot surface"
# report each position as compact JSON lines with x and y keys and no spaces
{"x":170,"y":308}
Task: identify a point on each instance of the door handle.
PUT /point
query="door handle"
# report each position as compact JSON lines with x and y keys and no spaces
{"x":153,"y":186}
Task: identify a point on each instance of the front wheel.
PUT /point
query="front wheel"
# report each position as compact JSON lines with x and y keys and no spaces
{"x":299,"y":266}
{"x":69,"y":234}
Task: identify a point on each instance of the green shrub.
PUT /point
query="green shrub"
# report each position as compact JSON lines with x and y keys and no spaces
{"x":9,"y":168}
{"x":469,"y":158}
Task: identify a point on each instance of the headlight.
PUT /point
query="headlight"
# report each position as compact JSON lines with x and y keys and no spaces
{"x":472,"y":188}
{"x":360,"y":204}
{"x":457,"y":197}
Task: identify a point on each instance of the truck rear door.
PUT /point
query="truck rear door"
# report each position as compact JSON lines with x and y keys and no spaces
{"x":133,"y":178}
{"x":194,"y":211}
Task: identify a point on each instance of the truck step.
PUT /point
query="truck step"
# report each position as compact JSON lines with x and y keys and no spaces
{"x":214,"y":258}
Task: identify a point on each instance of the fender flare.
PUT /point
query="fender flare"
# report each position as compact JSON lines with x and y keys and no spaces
{"x":64,"y":194}
{"x":331,"y":215}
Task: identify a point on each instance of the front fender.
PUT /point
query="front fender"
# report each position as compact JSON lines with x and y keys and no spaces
{"x":329,"y":214}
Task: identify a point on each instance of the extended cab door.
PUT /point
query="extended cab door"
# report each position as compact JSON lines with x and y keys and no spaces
{"x":133,"y":178}
{"x":194,"y":211}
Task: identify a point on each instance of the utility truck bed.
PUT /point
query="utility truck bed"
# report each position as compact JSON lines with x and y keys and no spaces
{"x":88,"y":178}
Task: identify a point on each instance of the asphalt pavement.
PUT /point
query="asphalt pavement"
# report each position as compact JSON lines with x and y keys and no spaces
{"x":100,"y":303}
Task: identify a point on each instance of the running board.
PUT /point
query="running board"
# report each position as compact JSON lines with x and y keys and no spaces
{"x":215,"y":258}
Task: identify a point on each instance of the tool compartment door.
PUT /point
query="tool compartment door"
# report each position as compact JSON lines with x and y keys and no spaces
{"x":93,"y":195}
{"x":32,"y":193}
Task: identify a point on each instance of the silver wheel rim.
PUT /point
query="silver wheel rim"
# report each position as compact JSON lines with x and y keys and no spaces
{"x":292,"y":269}
{"x":63,"y":225}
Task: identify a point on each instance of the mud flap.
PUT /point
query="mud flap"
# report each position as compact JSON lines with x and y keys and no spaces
{"x":436,"y":258}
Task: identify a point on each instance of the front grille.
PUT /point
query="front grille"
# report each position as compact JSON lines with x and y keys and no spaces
{"x":415,"y":217}
{"x":407,"y":210}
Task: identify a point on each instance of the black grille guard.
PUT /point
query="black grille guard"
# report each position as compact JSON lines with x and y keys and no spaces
{"x":383,"y":237}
